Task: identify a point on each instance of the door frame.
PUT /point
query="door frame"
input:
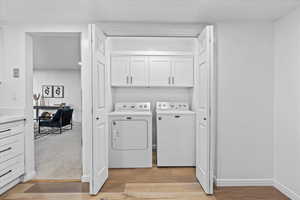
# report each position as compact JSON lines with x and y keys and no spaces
{"x":85,"y":97}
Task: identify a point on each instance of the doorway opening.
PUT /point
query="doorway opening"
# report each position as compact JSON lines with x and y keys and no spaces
{"x":132,"y":71}
{"x":57,"y":105}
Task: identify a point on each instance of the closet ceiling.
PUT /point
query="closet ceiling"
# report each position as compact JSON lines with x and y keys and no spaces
{"x":158,"y":11}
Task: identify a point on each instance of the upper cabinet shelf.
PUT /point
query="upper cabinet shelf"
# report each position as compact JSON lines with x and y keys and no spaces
{"x":152,"y":71}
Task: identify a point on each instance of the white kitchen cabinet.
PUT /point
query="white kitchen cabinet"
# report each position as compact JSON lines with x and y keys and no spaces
{"x":11,"y":152}
{"x":129,"y":71}
{"x":176,"y":71}
{"x":138,"y":71}
{"x":152,"y":71}
{"x":160,"y":71}
{"x":183,"y":71}
{"x":120,"y":71}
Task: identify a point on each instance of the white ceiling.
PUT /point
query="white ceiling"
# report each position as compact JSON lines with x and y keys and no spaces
{"x":171,"y":11}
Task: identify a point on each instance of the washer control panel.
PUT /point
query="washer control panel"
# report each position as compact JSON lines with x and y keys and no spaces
{"x":172,"y":106}
{"x":134,"y":107}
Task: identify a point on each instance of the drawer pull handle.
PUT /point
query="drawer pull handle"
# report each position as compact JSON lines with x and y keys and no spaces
{"x":177,"y":116}
{"x":5,"y":130}
{"x":4,"y":150}
{"x":5,"y":173}
{"x":129,"y":118}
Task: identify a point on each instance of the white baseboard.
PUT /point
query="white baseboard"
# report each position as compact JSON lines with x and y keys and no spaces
{"x":286,"y":191}
{"x":85,"y":178}
{"x":29,"y":176}
{"x":244,"y":182}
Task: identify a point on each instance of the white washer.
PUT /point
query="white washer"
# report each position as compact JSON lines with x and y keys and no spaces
{"x":130,"y":139}
{"x":175,"y":134}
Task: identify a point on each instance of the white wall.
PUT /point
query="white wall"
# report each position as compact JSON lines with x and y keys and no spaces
{"x":287,"y":105}
{"x":17,"y":91}
{"x":152,"y":44}
{"x":56,"y":51}
{"x":70,"y":79}
{"x":245,"y":103}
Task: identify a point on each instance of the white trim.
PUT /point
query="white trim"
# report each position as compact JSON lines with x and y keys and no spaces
{"x":29,"y":176}
{"x":85,"y":178}
{"x":244,"y":182}
{"x":286,"y":191}
{"x":152,"y":53}
{"x":29,"y":147}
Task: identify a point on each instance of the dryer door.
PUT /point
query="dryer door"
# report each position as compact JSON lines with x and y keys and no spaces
{"x":129,"y":134}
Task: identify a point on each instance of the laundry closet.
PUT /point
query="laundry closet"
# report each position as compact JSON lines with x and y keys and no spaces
{"x":159,"y":72}
{"x":161,"y":104}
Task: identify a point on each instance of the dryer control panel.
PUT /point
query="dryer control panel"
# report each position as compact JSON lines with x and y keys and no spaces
{"x":172,"y":106}
{"x":134,"y":107}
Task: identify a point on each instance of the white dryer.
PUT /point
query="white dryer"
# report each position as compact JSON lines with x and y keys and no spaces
{"x":130,"y":139}
{"x":175,"y":134}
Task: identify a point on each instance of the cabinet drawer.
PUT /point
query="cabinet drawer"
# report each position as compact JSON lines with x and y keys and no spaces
{"x":10,"y":129}
{"x":11,"y":170}
{"x":11,"y":147}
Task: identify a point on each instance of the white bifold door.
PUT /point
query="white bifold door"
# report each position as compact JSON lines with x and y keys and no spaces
{"x":205,"y":112}
{"x":99,"y":158}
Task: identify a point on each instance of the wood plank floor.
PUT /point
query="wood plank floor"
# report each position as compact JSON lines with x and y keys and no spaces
{"x":140,"y":184}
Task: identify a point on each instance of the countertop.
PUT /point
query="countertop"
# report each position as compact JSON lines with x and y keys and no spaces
{"x":10,"y":118}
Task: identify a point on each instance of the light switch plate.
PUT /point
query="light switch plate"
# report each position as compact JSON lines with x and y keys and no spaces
{"x":16,"y":72}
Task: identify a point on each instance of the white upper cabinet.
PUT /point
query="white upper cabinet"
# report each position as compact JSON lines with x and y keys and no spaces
{"x":138,"y":71}
{"x":120,"y":71}
{"x":160,"y":71}
{"x":152,"y":71}
{"x":129,"y":71}
{"x":183,"y":71}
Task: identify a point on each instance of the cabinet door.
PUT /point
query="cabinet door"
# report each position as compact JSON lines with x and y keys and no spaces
{"x":160,"y":71}
{"x":120,"y":70}
{"x":139,"y":72}
{"x":183,"y":71}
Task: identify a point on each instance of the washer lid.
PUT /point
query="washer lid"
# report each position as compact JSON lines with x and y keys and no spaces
{"x":171,"y":112}
{"x":133,"y":107}
{"x":124,"y":113}
{"x":172,"y":106}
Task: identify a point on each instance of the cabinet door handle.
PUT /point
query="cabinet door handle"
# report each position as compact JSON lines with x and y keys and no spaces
{"x":5,"y":173}
{"x":5,"y":130}
{"x":131,"y":79}
{"x":4,"y":150}
{"x":173,"y":80}
{"x":169,"y":80}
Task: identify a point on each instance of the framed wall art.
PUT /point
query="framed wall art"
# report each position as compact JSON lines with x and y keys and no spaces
{"x":47,"y":91}
{"x":58,"y":91}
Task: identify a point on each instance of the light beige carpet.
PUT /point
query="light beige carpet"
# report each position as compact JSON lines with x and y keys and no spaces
{"x":58,"y":156}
